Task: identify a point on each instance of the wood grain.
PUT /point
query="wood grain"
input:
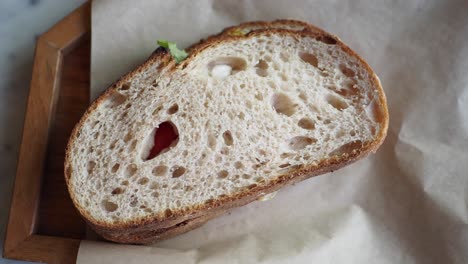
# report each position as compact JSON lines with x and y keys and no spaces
{"x":46,"y":249}
{"x":40,"y":105}
{"x":43,"y":224}
{"x":57,"y":216}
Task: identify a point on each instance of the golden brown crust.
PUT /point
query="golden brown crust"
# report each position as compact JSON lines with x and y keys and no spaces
{"x":151,"y":236}
{"x":155,"y":222}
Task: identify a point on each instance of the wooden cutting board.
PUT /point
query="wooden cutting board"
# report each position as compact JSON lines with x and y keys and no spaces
{"x":43,"y":225}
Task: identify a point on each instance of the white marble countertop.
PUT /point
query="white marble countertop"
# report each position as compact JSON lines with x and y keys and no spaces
{"x":21,"y":21}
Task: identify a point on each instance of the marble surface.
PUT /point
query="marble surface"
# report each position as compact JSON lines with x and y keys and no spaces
{"x":21,"y":22}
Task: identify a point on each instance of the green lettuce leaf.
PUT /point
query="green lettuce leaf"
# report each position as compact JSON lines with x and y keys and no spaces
{"x":178,"y":54}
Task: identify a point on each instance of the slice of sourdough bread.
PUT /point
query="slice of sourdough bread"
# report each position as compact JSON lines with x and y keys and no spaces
{"x":150,"y":236}
{"x":253,"y":113}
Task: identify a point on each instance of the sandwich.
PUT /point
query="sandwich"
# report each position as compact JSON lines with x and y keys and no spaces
{"x":187,"y":136}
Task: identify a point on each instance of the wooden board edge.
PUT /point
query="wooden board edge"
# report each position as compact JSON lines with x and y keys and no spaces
{"x":65,"y":33}
{"x":39,"y":115}
{"x":46,"y":249}
{"x":27,"y":184}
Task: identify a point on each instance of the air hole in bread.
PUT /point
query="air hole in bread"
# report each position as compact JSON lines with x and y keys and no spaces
{"x":349,"y":90}
{"x":251,"y":186}
{"x":346,"y":71}
{"x":347,"y":148}
{"x":128,"y":137}
{"x":262,"y":152}
{"x":300,"y":142}
{"x":90,"y":166}
{"x":303,"y":96}
{"x":143,"y":181}
{"x":132,"y":145}
{"x":327,"y":40}
{"x":157,"y":109}
{"x":373,"y":111}
{"x":306,"y":123}
{"x":259,"y":96}
{"x":109,"y":206}
{"x":238,"y":165}
{"x":177,"y":186}
{"x":267,"y":58}
{"x":259,"y":179}
{"x":115,"y":99}
{"x":285,"y":165}
{"x":209,"y":201}
{"x":283,"y":104}
{"x":160,"y":140}
{"x":284,"y":56}
{"x":340,"y":133}
{"x":177,"y":171}
{"x":115,"y":168}
{"x":223,"y":174}
{"x":173,"y":109}
{"x":160,"y":170}
{"x":124,"y":183}
{"x":131,"y":170}
{"x":125,"y":87}
{"x":211,"y":141}
{"x":134,"y":201}
{"x":188,"y":188}
{"x":224,"y":151}
{"x":286,"y":155}
{"x":336,"y":102}
{"x":248,"y":104}
{"x":246,"y":176}
{"x":309,"y":58}
{"x":225,"y":66}
{"x":352,"y":133}
{"x":257,"y":165}
{"x":324,"y":73}
{"x":154,"y":186}
{"x":117,"y":191}
{"x":241,"y":116}
{"x":276,"y":66}
{"x":261,"y":68}
{"x":228,"y":139}
{"x":113,"y":144}
{"x":272,"y":85}
{"x":331,"y":87}
{"x":168,"y":212}
{"x":155,"y":194}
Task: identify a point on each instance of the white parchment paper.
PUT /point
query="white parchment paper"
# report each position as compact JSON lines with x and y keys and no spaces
{"x":406,"y":204}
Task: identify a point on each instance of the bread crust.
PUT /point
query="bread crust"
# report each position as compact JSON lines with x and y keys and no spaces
{"x":132,"y":231}
{"x":154,"y":235}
